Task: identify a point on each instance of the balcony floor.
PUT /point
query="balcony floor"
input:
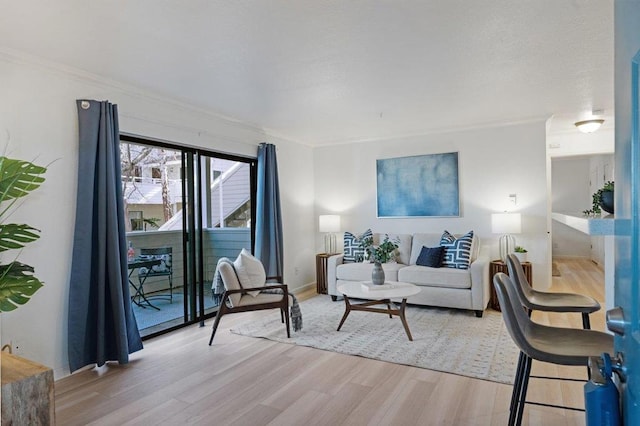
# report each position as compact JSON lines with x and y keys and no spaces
{"x":171,"y":313}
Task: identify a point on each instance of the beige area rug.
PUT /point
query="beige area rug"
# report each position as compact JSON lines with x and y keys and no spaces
{"x":447,"y":340}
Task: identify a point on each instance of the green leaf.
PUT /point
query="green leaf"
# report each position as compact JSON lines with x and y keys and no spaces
{"x":17,"y":285}
{"x":18,"y":178}
{"x":14,"y":236}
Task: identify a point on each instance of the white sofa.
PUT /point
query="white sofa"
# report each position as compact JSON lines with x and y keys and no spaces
{"x":444,"y":287}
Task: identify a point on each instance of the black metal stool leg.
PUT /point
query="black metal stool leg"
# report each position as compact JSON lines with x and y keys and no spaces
{"x":523,"y":393}
{"x":586,"y":324}
{"x":517,"y":385}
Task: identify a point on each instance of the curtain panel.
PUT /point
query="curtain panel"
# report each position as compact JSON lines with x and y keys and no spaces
{"x":101,"y":324}
{"x":269,"y":240}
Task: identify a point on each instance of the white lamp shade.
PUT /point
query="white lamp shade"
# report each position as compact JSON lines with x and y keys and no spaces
{"x":329,"y":223}
{"x":506,"y":223}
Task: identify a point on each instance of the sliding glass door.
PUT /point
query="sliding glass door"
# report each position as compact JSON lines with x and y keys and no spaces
{"x":186,"y":208}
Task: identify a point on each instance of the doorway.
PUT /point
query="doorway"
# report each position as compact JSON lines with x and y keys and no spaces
{"x":185,"y":208}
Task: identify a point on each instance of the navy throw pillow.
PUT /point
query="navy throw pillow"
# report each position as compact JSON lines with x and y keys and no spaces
{"x":430,"y":256}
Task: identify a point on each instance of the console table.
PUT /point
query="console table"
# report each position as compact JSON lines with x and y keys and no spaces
{"x":499,"y":266}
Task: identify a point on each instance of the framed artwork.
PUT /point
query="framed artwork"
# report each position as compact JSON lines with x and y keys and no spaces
{"x":418,"y":186}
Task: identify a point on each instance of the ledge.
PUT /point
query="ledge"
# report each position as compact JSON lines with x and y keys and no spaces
{"x":590,"y":226}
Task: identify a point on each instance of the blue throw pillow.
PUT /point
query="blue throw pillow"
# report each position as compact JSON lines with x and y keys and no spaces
{"x":353,"y":252}
{"x":457,"y":251}
{"x":430,"y":256}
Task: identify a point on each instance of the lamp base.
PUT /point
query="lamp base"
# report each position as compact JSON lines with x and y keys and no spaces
{"x":506,"y":245}
{"x":330,"y":243}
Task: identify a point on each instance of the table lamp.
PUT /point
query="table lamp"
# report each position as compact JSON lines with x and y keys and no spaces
{"x":506,"y":224}
{"x":329,"y":223}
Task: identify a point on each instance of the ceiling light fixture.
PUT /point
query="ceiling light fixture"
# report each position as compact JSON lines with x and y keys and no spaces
{"x":589,"y":126}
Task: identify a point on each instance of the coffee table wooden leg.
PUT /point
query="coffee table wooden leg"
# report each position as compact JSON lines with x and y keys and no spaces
{"x":389,"y":307}
{"x":404,"y":320}
{"x":347,"y":309}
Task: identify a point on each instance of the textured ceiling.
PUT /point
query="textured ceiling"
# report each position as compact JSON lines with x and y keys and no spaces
{"x":333,"y":71}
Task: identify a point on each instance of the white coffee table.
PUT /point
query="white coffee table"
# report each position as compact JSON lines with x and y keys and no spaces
{"x":392,"y":290}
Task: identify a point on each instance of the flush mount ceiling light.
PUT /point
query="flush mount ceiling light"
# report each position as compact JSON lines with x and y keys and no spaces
{"x":589,"y":126}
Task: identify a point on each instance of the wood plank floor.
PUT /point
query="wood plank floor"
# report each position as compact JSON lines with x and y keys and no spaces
{"x":177,"y":379}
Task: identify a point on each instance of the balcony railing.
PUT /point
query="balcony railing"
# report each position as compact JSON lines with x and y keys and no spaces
{"x":218,"y":242}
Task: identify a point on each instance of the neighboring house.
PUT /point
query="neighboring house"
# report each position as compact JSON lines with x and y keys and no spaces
{"x":229,"y":197}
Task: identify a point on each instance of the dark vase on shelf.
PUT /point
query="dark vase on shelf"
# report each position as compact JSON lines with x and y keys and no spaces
{"x":377,"y":274}
{"x":606,"y":201}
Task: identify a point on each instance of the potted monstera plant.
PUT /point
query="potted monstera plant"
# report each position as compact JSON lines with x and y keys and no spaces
{"x":17,"y":282}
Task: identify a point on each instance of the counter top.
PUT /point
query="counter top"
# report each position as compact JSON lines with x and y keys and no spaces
{"x":589,"y":225}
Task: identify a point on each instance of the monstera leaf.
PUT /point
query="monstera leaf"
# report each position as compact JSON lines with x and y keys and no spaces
{"x":13,"y":236}
{"x":17,"y":282}
{"x":17,"y":285}
{"x":18,"y":178}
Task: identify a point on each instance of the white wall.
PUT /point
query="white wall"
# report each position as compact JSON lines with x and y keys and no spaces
{"x":493,"y":163}
{"x":38,"y":121}
{"x":570,"y":194}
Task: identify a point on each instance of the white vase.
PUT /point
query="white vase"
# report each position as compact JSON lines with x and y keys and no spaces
{"x":522,"y":257}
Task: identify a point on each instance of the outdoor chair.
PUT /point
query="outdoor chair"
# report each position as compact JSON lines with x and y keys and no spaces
{"x":163,"y":269}
{"x":555,"y":345}
{"x":535,"y":300}
{"x":238,"y":299}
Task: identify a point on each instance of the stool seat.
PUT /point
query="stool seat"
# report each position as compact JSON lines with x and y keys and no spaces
{"x":565,"y":346}
{"x":556,"y":345}
{"x":535,"y":300}
{"x":562,"y":302}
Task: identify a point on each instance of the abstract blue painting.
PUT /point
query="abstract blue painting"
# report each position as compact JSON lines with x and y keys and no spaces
{"x":423,"y":185}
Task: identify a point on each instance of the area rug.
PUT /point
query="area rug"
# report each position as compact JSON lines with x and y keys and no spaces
{"x":448,"y":340}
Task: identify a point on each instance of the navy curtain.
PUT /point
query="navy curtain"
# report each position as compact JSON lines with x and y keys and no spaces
{"x":101,"y":326}
{"x":268,"y":219}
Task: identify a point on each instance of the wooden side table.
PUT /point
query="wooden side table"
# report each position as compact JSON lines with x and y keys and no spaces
{"x":499,"y":266}
{"x":321,"y":272}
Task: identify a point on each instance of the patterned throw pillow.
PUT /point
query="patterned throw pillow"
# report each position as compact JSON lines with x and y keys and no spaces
{"x":353,"y":252}
{"x":430,"y":256}
{"x":457,"y":251}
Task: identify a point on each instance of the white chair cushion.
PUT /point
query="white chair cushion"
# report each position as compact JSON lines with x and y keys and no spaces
{"x":261,"y":298}
{"x":250,"y":271}
{"x":230,"y":280}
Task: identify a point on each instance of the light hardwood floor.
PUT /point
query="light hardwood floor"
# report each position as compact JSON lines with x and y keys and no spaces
{"x":177,"y":379}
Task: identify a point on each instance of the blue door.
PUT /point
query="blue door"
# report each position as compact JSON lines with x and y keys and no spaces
{"x":624,"y":320}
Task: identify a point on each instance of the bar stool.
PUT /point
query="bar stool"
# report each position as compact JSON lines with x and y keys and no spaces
{"x":535,"y":300}
{"x":556,"y":345}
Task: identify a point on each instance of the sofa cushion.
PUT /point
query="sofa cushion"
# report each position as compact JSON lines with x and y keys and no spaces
{"x":430,"y":256}
{"x":353,"y":251}
{"x":403,"y":252}
{"x":435,"y":277}
{"x":457,"y":251}
{"x":362,"y":271}
{"x":422,"y":240}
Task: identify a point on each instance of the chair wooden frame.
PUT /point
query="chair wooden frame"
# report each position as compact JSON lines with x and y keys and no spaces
{"x":283,"y":305}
